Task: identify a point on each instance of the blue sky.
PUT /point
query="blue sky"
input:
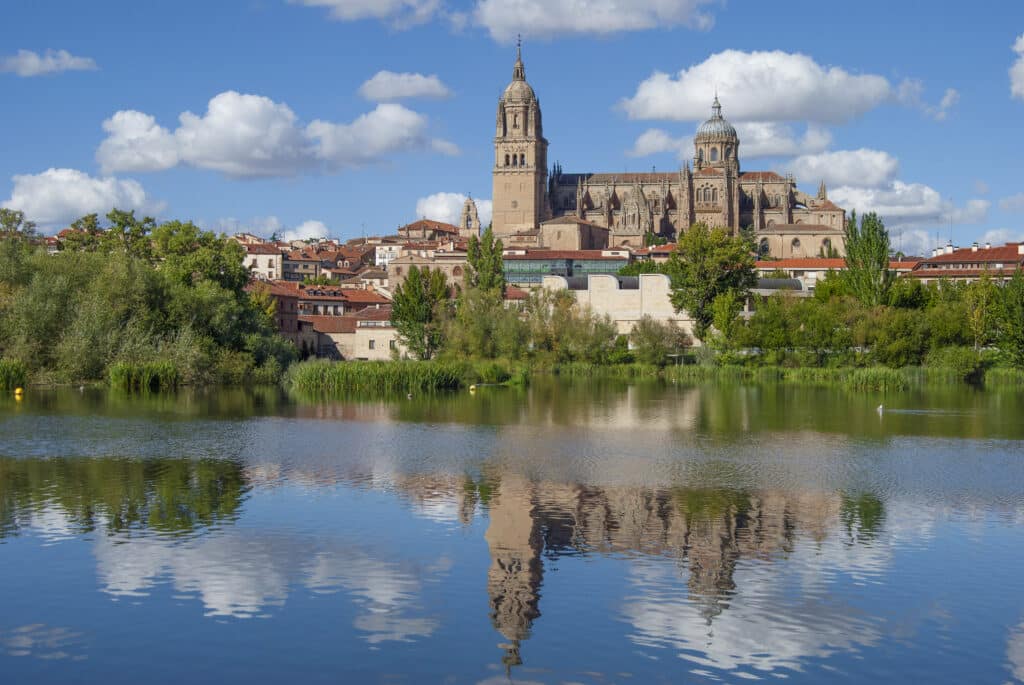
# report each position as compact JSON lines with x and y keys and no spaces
{"x":916,"y":114}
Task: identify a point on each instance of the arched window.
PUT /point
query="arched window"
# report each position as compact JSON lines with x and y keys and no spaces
{"x":778,"y":200}
{"x":714,"y":195}
{"x":762,"y":248}
{"x":522,"y":160}
{"x":700,"y":155}
{"x":507,"y":161}
{"x":826,"y":247}
{"x":457,"y":272}
{"x":714,"y":154}
{"x":515,"y":121}
{"x":728,"y":151}
{"x":515,"y":160}
{"x":398,"y":271}
{"x":795,"y":244}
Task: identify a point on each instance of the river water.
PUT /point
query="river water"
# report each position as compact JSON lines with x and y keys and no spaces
{"x":566,"y":533}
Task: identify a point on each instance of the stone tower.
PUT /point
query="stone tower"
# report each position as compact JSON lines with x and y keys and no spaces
{"x":469,"y":222}
{"x":520,"y":158}
{"x":717,"y":144}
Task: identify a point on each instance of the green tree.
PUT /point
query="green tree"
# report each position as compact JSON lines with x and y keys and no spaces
{"x":980,"y":300}
{"x":86,"y":235}
{"x":653,"y":341}
{"x":14,"y":225}
{"x":485,"y":267}
{"x":867,"y":259}
{"x":645,"y":266}
{"x":419,"y":310}
{"x":1009,"y":323}
{"x":706,"y":263}
{"x":128,"y":234}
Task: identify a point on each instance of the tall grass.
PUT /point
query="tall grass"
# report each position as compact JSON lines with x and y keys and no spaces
{"x":872,"y":378}
{"x":13,"y":374}
{"x":144,"y":376}
{"x":615,"y":371}
{"x":1004,"y":377}
{"x":374,"y":378}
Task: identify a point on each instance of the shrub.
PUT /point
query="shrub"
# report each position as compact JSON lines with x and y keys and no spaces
{"x":964,"y":363}
{"x":145,"y":377}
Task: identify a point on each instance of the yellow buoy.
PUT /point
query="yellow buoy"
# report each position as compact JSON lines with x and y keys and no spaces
{"x":472,"y":388}
{"x":18,"y":391}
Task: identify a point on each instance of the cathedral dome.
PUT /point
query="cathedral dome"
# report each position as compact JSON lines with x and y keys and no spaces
{"x":716,"y":127}
{"x":519,"y":90}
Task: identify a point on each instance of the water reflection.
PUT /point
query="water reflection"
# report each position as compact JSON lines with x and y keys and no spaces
{"x":738,"y":533}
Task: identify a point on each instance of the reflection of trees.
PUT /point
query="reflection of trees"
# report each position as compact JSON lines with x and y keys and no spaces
{"x":166,"y":495}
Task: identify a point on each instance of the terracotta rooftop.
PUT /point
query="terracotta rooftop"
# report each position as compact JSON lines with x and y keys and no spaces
{"x":1010,"y":252}
{"x":515,"y":294}
{"x":761,"y":176}
{"x":430,"y":225}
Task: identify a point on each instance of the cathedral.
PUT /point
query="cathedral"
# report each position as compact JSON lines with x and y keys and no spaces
{"x":633,"y":207}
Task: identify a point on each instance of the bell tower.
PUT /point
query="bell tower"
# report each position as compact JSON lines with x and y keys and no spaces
{"x":520,"y":157}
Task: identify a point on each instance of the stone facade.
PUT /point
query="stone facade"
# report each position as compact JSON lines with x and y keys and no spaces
{"x":715,"y":191}
{"x":626,"y":300}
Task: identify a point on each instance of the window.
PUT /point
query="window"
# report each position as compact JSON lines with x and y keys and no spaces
{"x":795,"y":244}
{"x":714,"y":154}
{"x":515,"y":160}
{"x":270,"y":263}
{"x":714,"y":195}
{"x":457,"y":271}
{"x":373,"y":344}
{"x":728,"y":152}
{"x":392,"y":344}
{"x":507,"y":161}
{"x":763,"y":249}
{"x":515,"y":121}
{"x":522,"y":160}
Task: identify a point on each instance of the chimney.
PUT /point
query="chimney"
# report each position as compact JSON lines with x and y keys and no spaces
{"x":949,"y":248}
{"x":974,"y":247}
{"x":1020,"y":248}
{"x":988,"y":246}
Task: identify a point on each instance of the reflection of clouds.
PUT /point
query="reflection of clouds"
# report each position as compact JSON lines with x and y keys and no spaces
{"x":43,"y":642}
{"x":1015,"y":653}
{"x":761,"y":630}
{"x":51,"y":523}
{"x":239,"y":573}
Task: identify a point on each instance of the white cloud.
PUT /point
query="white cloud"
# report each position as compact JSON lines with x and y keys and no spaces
{"x":244,"y":135}
{"x":655,"y":140}
{"x":550,"y":18}
{"x":27,"y":63}
{"x":386,"y":86}
{"x":910,"y":93}
{"x":307,"y":230}
{"x":1017,"y":70}
{"x":909,"y":204}
{"x":447,"y":207}
{"x":136,"y":143}
{"x":767,"y":139}
{"x":1001,"y":236}
{"x":56,"y":197}
{"x":759,"y":86}
{"x":757,"y":139}
{"x":864,"y":168}
{"x":399,"y":13}
{"x":1014,"y":203}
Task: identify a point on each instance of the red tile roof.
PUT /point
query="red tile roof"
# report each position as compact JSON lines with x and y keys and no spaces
{"x":760,"y":176}
{"x":514,"y":294}
{"x":1005,"y":253}
{"x":429,"y":225}
{"x":331,"y":324}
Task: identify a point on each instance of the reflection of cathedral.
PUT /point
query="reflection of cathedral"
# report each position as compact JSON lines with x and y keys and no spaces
{"x":786,"y":221}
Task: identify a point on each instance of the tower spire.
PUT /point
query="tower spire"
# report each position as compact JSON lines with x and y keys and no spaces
{"x":519,"y":71}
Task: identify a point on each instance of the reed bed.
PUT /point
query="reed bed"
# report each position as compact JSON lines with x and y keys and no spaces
{"x":144,"y":376}
{"x":1004,"y":377}
{"x":872,"y":378}
{"x":374,"y":378}
{"x":13,"y":374}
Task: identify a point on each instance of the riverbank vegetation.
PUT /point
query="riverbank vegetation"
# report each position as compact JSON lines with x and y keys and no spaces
{"x":134,"y":303}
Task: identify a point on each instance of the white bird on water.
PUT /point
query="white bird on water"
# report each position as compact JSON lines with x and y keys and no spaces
{"x":881,"y":408}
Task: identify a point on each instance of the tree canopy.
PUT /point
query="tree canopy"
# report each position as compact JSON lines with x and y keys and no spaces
{"x":705,"y":264}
